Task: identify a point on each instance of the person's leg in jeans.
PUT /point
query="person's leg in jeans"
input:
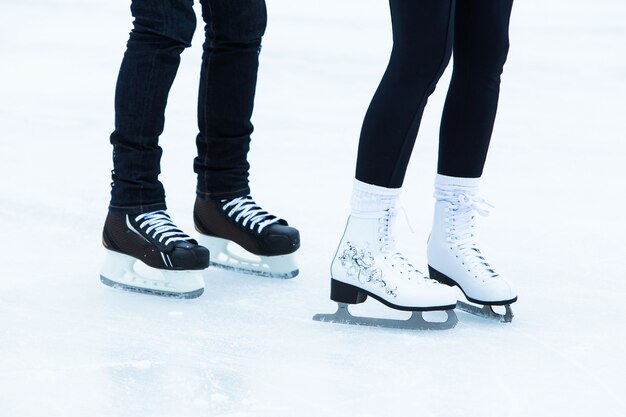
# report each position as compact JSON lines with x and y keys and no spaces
{"x":161,"y":30}
{"x":230,"y":62}
{"x":224,"y":211}
{"x":137,"y":227}
{"x":481,"y":45}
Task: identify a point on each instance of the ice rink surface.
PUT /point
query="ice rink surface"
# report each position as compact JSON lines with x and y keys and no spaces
{"x":70,"y":346}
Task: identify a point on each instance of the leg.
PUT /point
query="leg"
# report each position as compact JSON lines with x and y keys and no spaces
{"x":481,"y":45}
{"x":161,"y":30}
{"x":367,"y":262}
{"x":234,"y":29}
{"x":146,"y":252}
{"x":422,"y":44}
{"x":454,"y":257}
{"x":225,"y":213}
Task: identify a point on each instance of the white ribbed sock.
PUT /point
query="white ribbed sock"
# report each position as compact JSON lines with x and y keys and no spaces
{"x":456,"y":185}
{"x":372,"y":200}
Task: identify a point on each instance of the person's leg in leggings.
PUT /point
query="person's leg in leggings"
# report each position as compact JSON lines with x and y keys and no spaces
{"x":162,"y":29}
{"x":422,"y":44}
{"x":454,"y":255}
{"x":230,"y":62}
{"x":481,"y":44}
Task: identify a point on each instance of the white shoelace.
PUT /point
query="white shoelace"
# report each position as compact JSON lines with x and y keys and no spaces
{"x":159,"y":225}
{"x":249,"y":212}
{"x":460,"y":229}
{"x":388,"y":248}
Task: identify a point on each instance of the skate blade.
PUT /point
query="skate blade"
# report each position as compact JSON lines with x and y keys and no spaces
{"x":415,"y":322}
{"x":229,"y":256}
{"x":487,"y":311}
{"x":129,"y":274}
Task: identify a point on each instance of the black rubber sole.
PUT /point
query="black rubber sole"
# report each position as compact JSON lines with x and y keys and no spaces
{"x":169,"y":294}
{"x":350,"y":294}
{"x":444,"y":279}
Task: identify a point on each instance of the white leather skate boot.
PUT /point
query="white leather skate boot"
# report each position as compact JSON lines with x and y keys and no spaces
{"x":454,"y":257}
{"x":367,"y":262}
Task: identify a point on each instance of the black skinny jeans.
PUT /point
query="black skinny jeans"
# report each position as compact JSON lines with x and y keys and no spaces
{"x":425,"y":33}
{"x":161,"y":30}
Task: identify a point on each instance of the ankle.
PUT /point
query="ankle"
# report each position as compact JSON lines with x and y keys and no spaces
{"x":370,"y":200}
{"x":447,"y":187}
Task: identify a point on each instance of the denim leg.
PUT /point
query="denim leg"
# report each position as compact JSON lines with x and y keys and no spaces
{"x":230,"y":61}
{"x":161,"y":30}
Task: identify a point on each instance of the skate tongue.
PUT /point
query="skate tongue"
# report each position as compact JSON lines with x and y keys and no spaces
{"x":408,"y":267}
{"x":478,"y":260}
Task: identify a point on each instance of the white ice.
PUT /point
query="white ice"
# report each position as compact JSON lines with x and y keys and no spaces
{"x":70,"y":346}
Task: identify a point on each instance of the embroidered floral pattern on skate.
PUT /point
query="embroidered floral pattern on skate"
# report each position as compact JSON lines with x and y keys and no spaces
{"x":360,"y":265}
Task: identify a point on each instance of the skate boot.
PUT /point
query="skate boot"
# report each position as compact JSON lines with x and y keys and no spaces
{"x":228,"y":226}
{"x":147,"y":253}
{"x":455,"y":259}
{"x":368,"y":264}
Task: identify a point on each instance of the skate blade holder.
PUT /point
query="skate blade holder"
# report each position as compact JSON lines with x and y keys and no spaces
{"x":492,"y":312}
{"x":230,"y":256}
{"x":415,"y":322}
{"x":127,"y":273}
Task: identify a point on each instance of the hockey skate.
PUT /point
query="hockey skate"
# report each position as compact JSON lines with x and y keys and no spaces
{"x":367,"y":264}
{"x":455,"y":259}
{"x":147,"y":253}
{"x":244,"y":238}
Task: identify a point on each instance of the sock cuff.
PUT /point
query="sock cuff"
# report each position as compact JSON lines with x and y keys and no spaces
{"x":371,"y":199}
{"x":364,"y":187}
{"x":456,"y":182}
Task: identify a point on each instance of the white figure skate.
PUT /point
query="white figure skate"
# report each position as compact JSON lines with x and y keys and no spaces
{"x":454,"y":257}
{"x":368,"y":264}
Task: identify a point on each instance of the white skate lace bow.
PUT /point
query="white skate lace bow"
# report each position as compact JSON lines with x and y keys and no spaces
{"x":161,"y":226}
{"x":460,"y":230}
{"x":249,"y":212}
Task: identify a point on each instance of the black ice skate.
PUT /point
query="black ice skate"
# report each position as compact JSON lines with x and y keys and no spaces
{"x":268,"y":242}
{"x":147,"y":253}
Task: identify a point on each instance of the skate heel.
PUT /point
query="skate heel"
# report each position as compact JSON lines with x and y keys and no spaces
{"x":438,"y":276}
{"x":346,"y":293}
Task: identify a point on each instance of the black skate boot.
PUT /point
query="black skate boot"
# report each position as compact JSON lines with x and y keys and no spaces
{"x":269,"y":241}
{"x":147,"y":253}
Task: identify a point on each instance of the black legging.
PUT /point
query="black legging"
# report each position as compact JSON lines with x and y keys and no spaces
{"x":425,"y":32}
